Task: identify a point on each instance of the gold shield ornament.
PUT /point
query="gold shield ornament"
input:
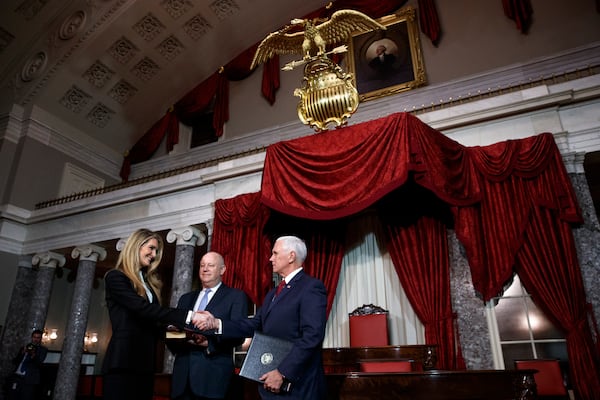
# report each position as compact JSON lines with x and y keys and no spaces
{"x":327,"y":95}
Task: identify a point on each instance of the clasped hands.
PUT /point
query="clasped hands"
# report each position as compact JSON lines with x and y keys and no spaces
{"x":198,"y":340}
{"x":205,"y":321}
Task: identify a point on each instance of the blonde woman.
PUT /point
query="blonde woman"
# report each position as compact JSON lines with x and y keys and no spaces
{"x":133,"y":292}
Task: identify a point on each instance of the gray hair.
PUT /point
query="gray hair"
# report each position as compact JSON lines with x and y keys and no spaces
{"x":295,"y":244}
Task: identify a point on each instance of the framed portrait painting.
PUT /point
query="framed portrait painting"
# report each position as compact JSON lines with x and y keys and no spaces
{"x":385,"y":62}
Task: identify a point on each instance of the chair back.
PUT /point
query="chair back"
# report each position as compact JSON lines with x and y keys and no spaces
{"x":369,"y":326}
{"x":549,"y":378}
{"x":98,"y":386}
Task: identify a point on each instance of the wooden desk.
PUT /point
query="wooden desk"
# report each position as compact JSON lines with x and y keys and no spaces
{"x":433,"y":385}
{"x":348,"y":359}
{"x":427,"y":385}
{"x":345,"y":382}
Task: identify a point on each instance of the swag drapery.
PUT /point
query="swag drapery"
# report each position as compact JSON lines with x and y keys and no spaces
{"x":511,"y":203}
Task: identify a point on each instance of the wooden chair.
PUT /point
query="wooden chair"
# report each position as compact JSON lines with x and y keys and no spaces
{"x":369,"y":326}
{"x":89,"y":387}
{"x":549,"y":378}
{"x":98,"y":387}
{"x":85,"y":387}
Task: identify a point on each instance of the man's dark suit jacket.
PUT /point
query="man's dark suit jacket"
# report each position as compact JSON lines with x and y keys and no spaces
{"x":34,"y":365}
{"x":136,"y":326}
{"x":210,"y":369}
{"x":297,"y":314}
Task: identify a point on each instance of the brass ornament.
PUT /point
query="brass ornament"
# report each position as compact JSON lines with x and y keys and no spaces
{"x":327,"y":95}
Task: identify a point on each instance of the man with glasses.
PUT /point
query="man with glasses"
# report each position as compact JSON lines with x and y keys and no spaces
{"x":203,"y":366}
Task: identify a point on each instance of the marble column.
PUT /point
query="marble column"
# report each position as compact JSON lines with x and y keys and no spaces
{"x":15,"y":333}
{"x":586,"y":235}
{"x":70,"y":360}
{"x":186,"y":239}
{"x":472,"y":325}
{"x":40,"y":294}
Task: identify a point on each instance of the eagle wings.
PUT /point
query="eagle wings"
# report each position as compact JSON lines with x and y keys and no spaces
{"x":314,"y":38}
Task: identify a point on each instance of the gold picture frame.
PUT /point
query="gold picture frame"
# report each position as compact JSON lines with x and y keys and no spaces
{"x":386,"y":62}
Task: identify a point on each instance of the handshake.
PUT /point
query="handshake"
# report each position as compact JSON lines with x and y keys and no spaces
{"x":205,"y":321}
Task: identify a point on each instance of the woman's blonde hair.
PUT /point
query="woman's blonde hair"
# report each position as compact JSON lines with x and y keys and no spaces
{"x":129,"y":261}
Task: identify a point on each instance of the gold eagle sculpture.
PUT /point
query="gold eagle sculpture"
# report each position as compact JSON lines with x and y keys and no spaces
{"x":313,"y":40}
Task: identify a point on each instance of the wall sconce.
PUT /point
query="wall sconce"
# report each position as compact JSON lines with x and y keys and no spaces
{"x":90,"y":339}
{"x":49,"y":336}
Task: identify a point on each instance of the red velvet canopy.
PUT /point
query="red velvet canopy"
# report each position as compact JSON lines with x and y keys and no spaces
{"x":511,"y":205}
{"x":340,"y":172}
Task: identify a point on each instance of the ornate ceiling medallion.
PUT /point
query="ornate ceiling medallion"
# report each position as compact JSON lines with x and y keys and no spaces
{"x":72,"y":25}
{"x":34,"y":67}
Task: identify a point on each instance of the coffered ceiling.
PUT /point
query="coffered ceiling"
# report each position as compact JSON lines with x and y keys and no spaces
{"x":112,"y":68}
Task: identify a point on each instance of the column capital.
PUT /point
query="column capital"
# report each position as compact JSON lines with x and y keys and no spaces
{"x":89,"y":252}
{"x":120,"y":244}
{"x":186,"y":235}
{"x":49,"y":259}
{"x":574,"y":162}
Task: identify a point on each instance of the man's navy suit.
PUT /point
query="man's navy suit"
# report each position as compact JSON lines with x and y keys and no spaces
{"x":209,"y":369}
{"x":298,"y":314}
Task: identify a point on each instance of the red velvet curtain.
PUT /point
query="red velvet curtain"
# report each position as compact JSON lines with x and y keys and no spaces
{"x":430,"y":23}
{"x":270,"y":79}
{"x":238,"y":234}
{"x":198,"y":100}
{"x":148,"y":144}
{"x":324,"y":260}
{"x":300,"y":175}
{"x":239,"y":68}
{"x":214,"y":91}
{"x":520,"y":11}
{"x":547,"y":265}
{"x":420,"y":255}
{"x":416,"y":224}
{"x":514,"y":177}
